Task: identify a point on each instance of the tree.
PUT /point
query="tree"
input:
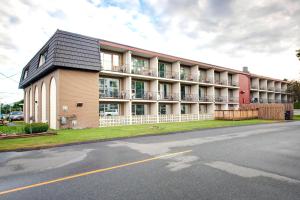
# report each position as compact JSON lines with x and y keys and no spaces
{"x":294,"y":88}
{"x":298,"y":54}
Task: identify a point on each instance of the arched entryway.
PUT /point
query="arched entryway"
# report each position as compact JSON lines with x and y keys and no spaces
{"x":36,"y":104}
{"x":30,"y":104}
{"x":43,"y":102}
{"x":52,"y":103}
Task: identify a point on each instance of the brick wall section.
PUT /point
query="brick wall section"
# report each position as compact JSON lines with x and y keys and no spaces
{"x":73,"y":86}
{"x":80,"y":87}
{"x":244,"y":92}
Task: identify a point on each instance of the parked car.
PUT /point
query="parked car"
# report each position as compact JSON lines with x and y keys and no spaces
{"x":16,"y":116}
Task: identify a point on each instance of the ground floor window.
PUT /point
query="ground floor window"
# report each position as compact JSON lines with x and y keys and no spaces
{"x":184,"y":109}
{"x":162,"y":109}
{"x":138,"y":109}
{"x":109,"y":109}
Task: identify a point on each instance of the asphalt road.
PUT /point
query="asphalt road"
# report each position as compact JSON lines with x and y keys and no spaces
{"x":249,"y":162}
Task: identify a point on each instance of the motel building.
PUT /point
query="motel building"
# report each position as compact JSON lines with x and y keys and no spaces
{"x":75,"y":81}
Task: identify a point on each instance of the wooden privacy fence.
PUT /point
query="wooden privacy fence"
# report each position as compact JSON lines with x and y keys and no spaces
{"x":236,"y":114}
{"x":270,"y":111}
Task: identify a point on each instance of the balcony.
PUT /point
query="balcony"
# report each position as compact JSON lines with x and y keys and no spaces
{"x":221,"y":99}
{"x":271,"y":88}
{"x":277,"y":90}
{"x":262,"y":87}
{"x":189,"y":97}
{"x":144,"y":95}
{"x":221,"y":82}
{"x":263,"y":100}
{"x":233,"y":83}
{"x":277,"y":100}
{"x":168,"y":74}
{"x":144,"y":71}
{"x":206,"y":79}
{"x":253,"y":86}
{"x":283,"y":90}
{"x":188,"y":77}
{"x":233,"y":100}
{"x":114,"y":95}
{"x":168,"y":96}
{"x":206,"y":98}
{"x":271,"y":101}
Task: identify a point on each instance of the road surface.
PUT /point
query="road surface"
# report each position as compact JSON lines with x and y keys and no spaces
{"x":248,"y":162}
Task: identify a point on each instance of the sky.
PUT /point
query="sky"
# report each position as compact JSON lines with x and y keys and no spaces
{"x":260,"y":34}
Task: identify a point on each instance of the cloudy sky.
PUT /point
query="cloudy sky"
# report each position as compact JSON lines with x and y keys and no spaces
{"x":260,"y":34}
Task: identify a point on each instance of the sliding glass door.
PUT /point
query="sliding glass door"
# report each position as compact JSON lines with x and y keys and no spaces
{"x":109,"y":88}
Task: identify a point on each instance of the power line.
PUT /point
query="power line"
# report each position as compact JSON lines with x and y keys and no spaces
{"x":9,"y":77}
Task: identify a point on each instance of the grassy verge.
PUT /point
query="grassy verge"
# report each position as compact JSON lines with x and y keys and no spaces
{"x":296,"y":117}
{"x":19,"y":128}
{"x":73,"y":136}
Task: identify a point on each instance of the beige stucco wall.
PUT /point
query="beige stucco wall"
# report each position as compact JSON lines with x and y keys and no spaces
{"x":73,"y":86}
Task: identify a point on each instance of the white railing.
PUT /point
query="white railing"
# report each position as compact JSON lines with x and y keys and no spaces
{"x":106,"y":121}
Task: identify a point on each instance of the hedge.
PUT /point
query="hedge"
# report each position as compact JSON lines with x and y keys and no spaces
{"x":36,"y":128}
{"x":297,"y":105}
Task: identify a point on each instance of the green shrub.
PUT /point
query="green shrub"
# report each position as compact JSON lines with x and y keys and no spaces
{"x":36,"y":128}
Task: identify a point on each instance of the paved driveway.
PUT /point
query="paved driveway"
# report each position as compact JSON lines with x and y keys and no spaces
{"x":249,"y":162}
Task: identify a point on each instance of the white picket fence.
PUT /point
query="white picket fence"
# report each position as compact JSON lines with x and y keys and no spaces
{"x":107,"y":121}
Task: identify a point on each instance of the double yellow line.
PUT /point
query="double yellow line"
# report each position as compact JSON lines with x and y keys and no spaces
{"x":91,"y":172}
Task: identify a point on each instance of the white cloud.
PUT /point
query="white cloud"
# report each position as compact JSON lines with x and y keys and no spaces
{"x":232,"y":35}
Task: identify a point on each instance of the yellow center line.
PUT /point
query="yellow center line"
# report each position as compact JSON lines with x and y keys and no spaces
{"x":91,"y":172}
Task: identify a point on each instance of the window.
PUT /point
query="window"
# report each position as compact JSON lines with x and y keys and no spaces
{"x":109,"y":88}
{"x":25,"y":74}
{"x":109,"y":60}
{"x":109,"y":109}
{"x":183,"y":73}
{"x":138,"y":109}
{"x":138,"y":88}
{"x":162,"y":109}
{"x":230,"y":93}
{"x":162,"y":70}
{"x":184,"y":109}
{"x":43,"y":57}
{"x":139,"y":64}
{"x":230,"y":79}
{"x":217,"y":77}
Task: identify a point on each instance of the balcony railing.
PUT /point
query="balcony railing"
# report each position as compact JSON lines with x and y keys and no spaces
{"x":206,"y":79}
{"x":271,"y":88}
{"x":122,"y":68}
{"x":168,"y":96}
{"x":145,"y":95}
{"x":277,"y":90}
{"x":114,"y":95}
{"x":277,"y":100}
{"x":221,"y":99}
{"x":233,"y":83}
{"x":233,"y":99}
{"x":143,"y":71}
{"x":262,"y":87}
{"x":271,"y":101}
{"x":188,"y":77}
{"x":221,"y":82}
{"x":254,"y":87}
{"x":206,"y":98}
{"x":263,"y":100}
{"x":189,"y":97}
{"x":168,"y":74}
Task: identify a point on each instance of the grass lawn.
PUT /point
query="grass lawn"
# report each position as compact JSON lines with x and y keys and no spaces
{"x":71,"y":136}
{"x":19,"y":128}
{"x":296,"y":117}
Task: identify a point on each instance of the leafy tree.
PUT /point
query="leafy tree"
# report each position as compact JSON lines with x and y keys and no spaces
{"x":294,"y":88}
{"x":16,"y":106}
